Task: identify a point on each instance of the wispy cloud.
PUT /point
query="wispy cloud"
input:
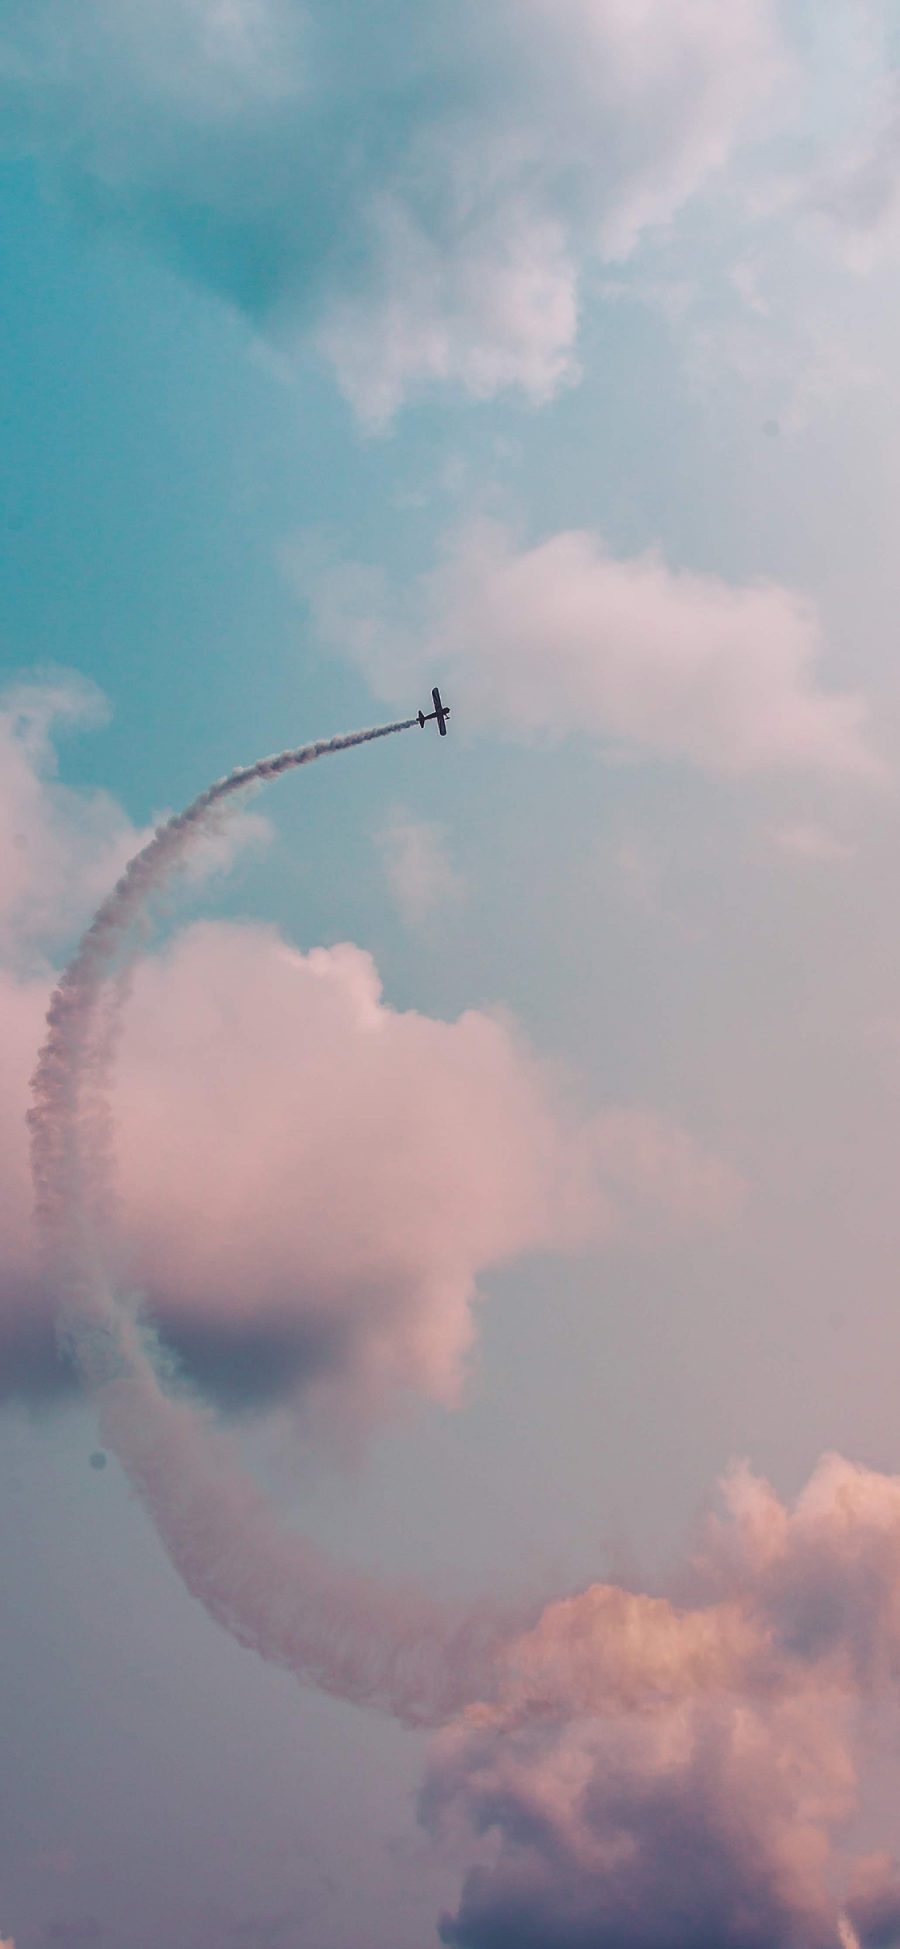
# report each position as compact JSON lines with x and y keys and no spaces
{"x":421,"y":877}
{"x":61,"y":849}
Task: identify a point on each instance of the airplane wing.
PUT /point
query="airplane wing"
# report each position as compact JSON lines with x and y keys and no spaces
{"x":438,"y":716}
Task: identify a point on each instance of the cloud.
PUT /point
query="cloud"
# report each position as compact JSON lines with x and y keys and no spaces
{"x":284,"y":1142}
{"x":861,"y":197}
{"x":665,"y":1773}
{"x":61,"y":849}
{"x":853,"y":181}
{"x":563,"y":637}
{"x":420,"y":876}
{"x":704,"y":1826}
{"x":415,"y":196}
{"x":57,"y":847}
{"x":284,"y":1137}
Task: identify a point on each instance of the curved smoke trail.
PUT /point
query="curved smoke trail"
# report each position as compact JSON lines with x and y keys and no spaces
{"x":271,"y":1589}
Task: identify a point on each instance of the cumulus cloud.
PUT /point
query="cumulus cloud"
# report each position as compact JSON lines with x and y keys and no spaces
{"x":665,"y":1773}
{"x":415,"y":195}
{"x":420,"y":875}
{"x":696,"y":1826}
{"x":284,"y":1140}
{"x":563,"y":636}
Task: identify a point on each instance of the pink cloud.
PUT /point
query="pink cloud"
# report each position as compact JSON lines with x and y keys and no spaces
{"x":564,"y":637}
{"x":704,"y":1825}
{"x":300,"y":1160}
{"x":664,"y":1773}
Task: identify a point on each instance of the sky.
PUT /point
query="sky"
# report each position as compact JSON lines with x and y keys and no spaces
{"x":485,"y":1529}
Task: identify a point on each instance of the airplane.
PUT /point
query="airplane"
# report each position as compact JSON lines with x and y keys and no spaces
{"x":440,"y":713}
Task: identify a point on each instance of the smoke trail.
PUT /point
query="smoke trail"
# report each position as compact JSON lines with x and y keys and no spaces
{"x":271,"y":1589}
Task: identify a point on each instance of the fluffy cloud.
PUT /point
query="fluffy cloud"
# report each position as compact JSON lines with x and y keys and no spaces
{"x":285,"y":1140}
{"x":415,"y":194}
{"x":662,"y":1774}
{"x":563,"y":636}
{"x":700,"y":1826}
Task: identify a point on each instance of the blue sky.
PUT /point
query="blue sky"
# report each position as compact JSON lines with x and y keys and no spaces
{"x":550,"y":354}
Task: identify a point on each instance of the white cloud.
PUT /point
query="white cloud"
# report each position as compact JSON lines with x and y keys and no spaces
{"x":788,"y":286}
{"x":564,"y":637}
{"x":61,"y":849}
{"x":57,"y":847}
{"x":418,"y":196}
{"x":420,"y":875}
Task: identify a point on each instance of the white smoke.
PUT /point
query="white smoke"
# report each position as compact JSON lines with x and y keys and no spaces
{"x":269,"y":1588}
